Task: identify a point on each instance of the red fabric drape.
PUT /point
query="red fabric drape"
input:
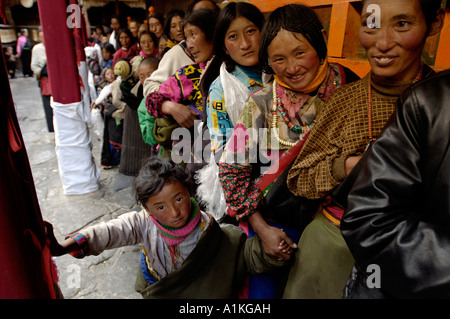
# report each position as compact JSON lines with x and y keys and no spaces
{"x":60,"y":49}
{"x":26,"y":269}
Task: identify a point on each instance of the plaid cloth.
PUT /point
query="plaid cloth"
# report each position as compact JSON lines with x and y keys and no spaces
{"x":342,"y":130}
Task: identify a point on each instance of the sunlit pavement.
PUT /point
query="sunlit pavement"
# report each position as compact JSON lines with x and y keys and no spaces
{"x":110,"y":275}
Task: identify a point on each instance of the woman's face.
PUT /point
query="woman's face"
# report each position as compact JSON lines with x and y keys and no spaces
{"x":134,"y":28}
{"x":124,"y":40}
{"x":171,"y":206}
{"x":156,"y":27}
{"x":293,"y":59}
{"x":197,"y":44}
{"x":147,"y":44}
{"x":242,"y":42}
{"x":115,"y":24}
{"x":176,"y":28}
{"x":395,"y":41}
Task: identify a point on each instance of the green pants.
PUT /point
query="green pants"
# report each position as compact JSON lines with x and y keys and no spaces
{"x":322,"y":264}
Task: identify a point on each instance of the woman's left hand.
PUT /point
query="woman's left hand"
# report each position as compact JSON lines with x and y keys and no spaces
{"x":182,"y":114}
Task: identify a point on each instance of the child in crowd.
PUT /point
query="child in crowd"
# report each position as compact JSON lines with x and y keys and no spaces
{"x":134,"y":149}
{"x":186,"y":254}
{"x":129,"y":48}
{"x":104,"y":102}
{"x":108,"y":55}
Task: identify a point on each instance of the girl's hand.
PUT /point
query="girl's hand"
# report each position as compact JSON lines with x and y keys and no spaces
{"x":182,"y":114}
{"x":55,"y":248}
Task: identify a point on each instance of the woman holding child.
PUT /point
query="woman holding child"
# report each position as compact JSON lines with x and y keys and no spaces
{"x":178,"y":102}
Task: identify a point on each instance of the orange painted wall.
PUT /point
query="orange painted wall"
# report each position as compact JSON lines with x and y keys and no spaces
{"x":341,"y":19}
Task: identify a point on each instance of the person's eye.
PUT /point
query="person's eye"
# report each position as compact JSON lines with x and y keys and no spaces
{"x":300,"y":53}
{"x":251,"y":31}
{"x":179,"y":199}
{"x":161,"y":207}
{"x":402,"y":24}
{"x":232,"y":37}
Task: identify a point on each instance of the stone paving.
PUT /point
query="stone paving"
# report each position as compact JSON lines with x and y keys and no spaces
{"x":110,"y":275}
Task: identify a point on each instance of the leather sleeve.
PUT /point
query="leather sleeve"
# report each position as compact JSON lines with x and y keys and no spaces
{"x":389,"y":220}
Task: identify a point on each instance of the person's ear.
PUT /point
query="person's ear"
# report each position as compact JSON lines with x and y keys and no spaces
{"x":437,"y":24}
{"x":325,"y":36}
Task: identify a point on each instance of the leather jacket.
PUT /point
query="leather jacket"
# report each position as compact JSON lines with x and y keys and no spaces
{"x":398,"y":211}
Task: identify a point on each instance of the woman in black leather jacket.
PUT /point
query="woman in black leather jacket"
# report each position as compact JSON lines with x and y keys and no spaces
{"x":397,"y":222}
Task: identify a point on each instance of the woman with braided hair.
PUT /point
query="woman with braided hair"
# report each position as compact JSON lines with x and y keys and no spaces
{"x":284,"y":111}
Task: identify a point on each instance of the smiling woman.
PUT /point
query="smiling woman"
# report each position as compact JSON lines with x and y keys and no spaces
{"x":284,"y":110}
{"x":348,"y":124}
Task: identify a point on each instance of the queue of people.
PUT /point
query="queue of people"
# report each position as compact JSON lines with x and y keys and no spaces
{"x":301,"y":183}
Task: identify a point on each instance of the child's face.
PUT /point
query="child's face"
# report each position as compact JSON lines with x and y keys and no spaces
{"x":144,"y":71}
{"x":162,"y":44}
{"x":106,"y":54}
{"x":110,"y":76}
{"x":172,"y":206}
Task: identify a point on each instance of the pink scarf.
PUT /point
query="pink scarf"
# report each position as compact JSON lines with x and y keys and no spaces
{"x":174,"y":236}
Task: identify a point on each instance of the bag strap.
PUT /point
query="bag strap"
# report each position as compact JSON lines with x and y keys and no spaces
{"x":277,"y":168}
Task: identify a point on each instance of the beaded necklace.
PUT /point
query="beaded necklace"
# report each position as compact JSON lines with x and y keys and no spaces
{"x":278,"y":106}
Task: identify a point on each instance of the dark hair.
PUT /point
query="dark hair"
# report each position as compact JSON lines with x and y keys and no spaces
{"x":118,"y":18}
{"x":158,"y":16}
{"x":227,"y":15}
{"x":110,"y":48}
{"x":205,"y":20}
{"x":296,"y":18}
{"x":190,"y":8}
{"x":151,"y":61}
{"x":429,"y":9}
{"x":170,"y":15}
{"x":152,"y":35}
{"x":154,"y":174}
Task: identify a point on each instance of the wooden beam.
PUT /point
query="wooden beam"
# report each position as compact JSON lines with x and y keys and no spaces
{"x":443,"y":51}
{"x":269,"y":5}
{"x":338,"y":23}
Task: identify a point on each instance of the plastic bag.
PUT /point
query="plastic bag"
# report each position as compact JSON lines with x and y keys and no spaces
{"x":209,"y":190}
{"x":235,"y":94}
{"x":98,"y":124}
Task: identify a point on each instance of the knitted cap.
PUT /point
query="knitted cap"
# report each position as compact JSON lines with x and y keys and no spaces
{"x":123,"y":69}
